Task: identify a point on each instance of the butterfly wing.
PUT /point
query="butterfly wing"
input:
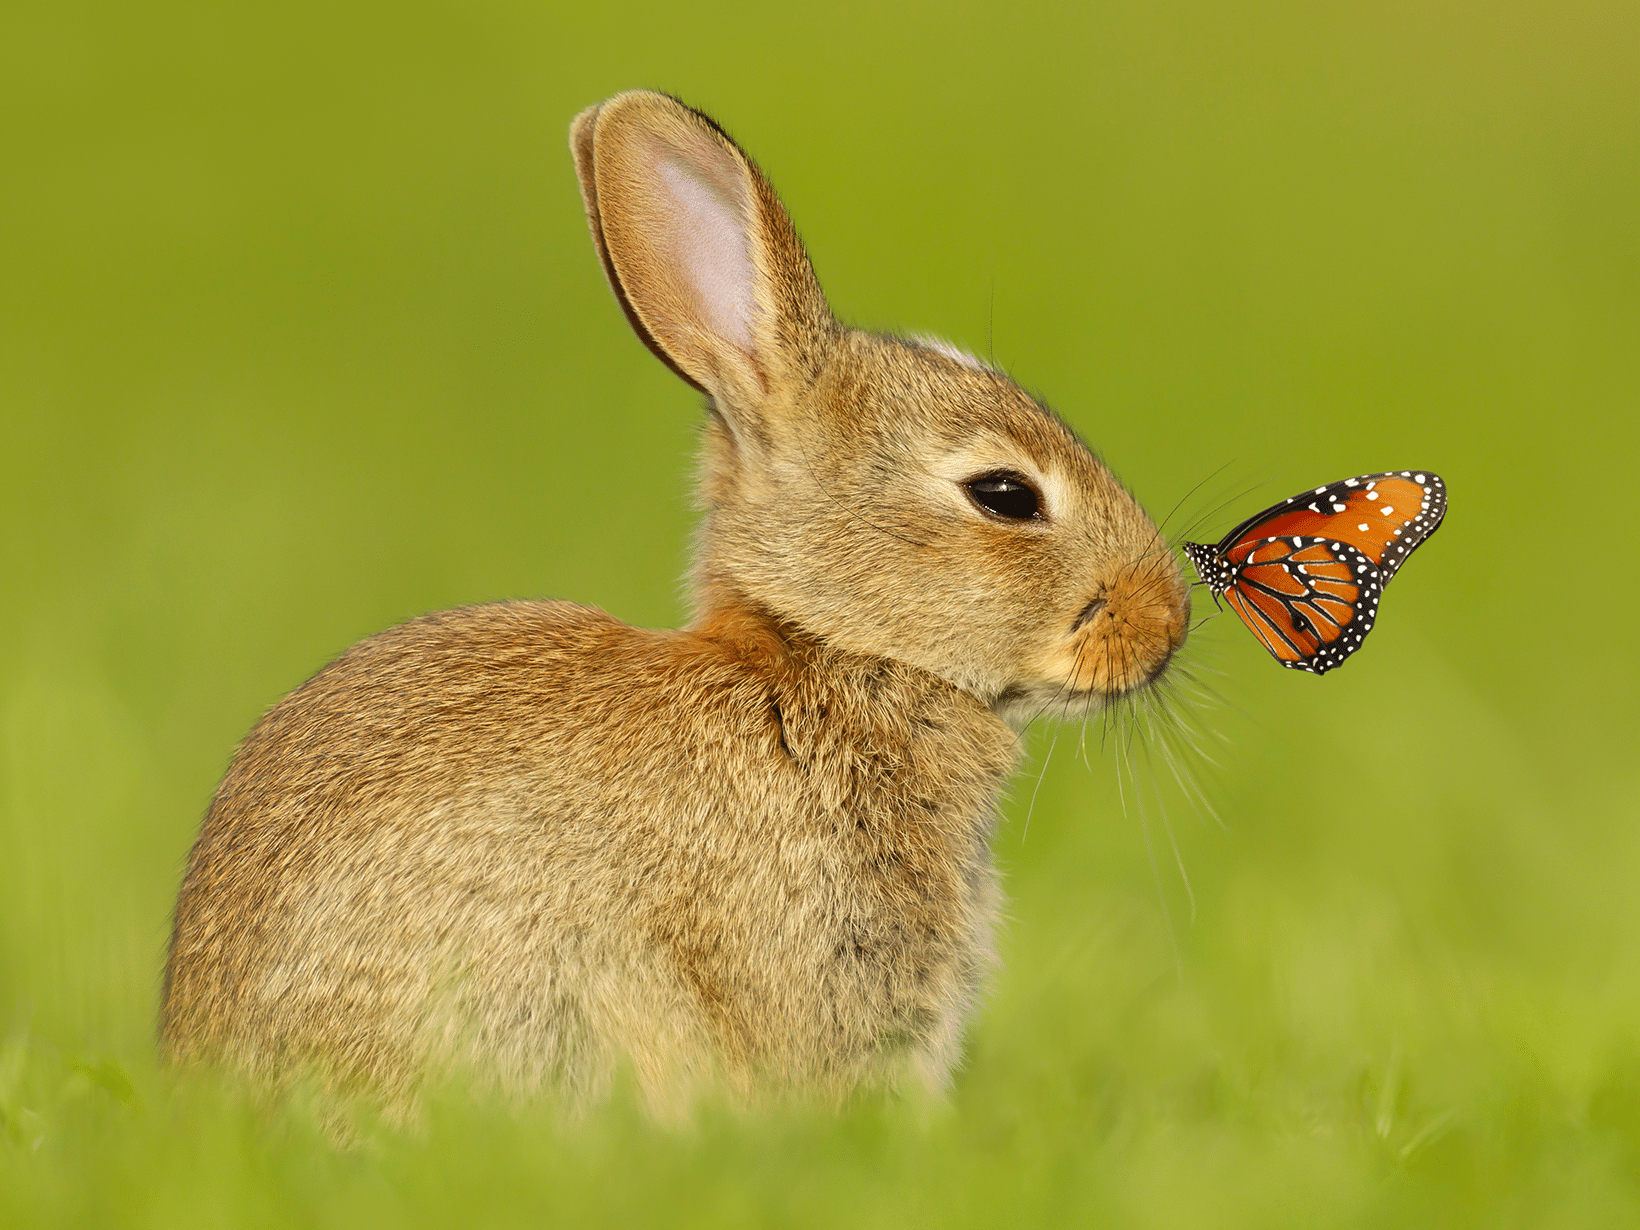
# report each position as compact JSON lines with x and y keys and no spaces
{"x":1311,"y":604}
{"x":1384,"y":516}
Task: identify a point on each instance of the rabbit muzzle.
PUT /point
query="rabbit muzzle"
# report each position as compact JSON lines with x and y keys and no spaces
{"x":1123,"y":637}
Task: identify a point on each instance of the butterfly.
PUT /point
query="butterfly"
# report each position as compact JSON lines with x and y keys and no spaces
{"x":1306,"y":574}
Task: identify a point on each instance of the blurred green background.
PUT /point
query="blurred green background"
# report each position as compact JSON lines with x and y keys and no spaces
{"x":301,"y":335}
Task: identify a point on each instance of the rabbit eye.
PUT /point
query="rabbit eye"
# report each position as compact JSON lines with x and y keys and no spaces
{"x":1006,"y":495}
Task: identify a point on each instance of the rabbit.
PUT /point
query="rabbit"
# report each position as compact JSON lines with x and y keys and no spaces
{"x":532,"y":849}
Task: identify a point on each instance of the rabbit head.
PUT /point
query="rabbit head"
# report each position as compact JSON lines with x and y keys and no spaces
{"x":892,"y":496}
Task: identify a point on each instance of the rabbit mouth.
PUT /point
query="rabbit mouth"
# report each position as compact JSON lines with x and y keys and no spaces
{"x":1021,"y":704}
{"x":1109,"y":655}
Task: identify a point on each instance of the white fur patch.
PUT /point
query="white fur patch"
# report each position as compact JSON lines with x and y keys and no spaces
{"x":955,"y":353}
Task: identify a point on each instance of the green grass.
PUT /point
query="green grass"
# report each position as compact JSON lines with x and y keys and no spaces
{"x":302,"y":335}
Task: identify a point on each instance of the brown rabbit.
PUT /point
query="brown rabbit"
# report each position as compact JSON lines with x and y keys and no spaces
{"x":529,"y":845}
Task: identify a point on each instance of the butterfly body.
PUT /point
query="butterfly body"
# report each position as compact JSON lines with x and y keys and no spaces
{"x":1306,"y":575}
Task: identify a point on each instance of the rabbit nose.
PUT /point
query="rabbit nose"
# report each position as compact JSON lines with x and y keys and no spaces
{"x":1133,"y":627}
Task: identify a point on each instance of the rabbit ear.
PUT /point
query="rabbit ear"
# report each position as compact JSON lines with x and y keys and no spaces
{"x":700,"y":253}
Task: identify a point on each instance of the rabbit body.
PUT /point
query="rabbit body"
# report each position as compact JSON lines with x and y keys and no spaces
{"x":528,"y":843}
{"x":726,"y":853}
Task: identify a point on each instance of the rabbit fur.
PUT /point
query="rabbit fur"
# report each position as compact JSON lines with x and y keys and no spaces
{"x":529,"y":846}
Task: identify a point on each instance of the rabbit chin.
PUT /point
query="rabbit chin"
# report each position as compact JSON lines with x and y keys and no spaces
{"x":1087,"y":684}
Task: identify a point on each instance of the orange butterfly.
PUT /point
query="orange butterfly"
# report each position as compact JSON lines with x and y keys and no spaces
{"x":1306,"y":574}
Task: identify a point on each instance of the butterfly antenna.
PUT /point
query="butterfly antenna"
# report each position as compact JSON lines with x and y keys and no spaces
{"x":1197,"y":522}
{"x":1179,"y":503}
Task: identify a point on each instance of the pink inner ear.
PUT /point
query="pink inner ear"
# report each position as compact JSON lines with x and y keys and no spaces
{"x":709,"y":240}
